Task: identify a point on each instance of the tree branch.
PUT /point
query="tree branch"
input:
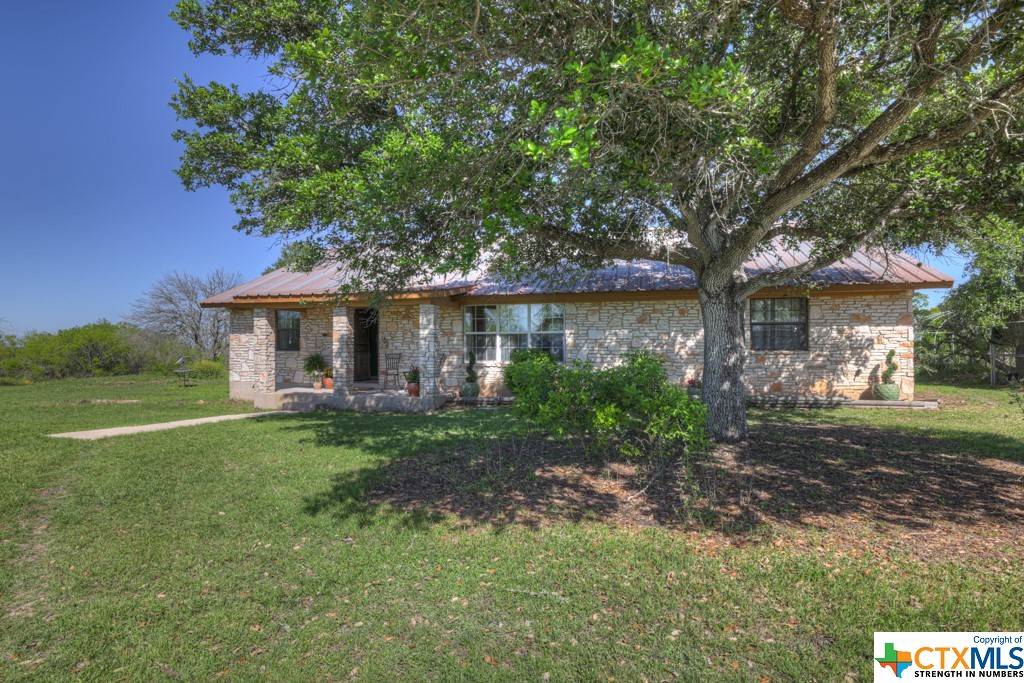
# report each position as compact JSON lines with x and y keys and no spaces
{"x":626,"y":250}
{"x":944,"y":135}
{"x":778,"y":278}
{"x":844,"y":248}
{"x":823,"y":26}
{"x":922,"y":80}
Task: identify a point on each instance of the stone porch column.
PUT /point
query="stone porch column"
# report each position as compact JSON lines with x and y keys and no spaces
{"x":429,"y":350}
{"x":342,"y":331}
{"x":265,"y":351}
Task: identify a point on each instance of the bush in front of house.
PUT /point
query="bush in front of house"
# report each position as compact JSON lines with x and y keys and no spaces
{"x":630,"y":409}
{"x":530,"y":376}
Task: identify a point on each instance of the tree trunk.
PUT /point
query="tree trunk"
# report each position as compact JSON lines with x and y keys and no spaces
{"x":724,"y":391}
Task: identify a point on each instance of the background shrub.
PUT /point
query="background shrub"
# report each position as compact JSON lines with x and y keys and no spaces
{"x":100,"y":348}
{"x":628,"y":409}
{"x":209,"y":369}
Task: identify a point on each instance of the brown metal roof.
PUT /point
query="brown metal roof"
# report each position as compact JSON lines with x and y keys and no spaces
{"x":862,"y":268}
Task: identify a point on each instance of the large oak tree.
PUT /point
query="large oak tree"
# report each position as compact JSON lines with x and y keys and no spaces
{"x":425,"y":135}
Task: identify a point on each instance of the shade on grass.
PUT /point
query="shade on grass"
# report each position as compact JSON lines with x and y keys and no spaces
{"x":253,"y":549}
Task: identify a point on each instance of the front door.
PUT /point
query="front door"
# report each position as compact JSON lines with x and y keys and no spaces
{"x":365,"y":347}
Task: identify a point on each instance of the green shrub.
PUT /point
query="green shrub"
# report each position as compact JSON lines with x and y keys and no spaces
{"x":209,"y":369}
{"x":14,"y":381}
{"x":890,"y":367}
{"x":99,"y":348}
{"x":530,"y":377}
{"x":629,"y":409}
{"x":314,"y":364}
{"x":520,"y":355}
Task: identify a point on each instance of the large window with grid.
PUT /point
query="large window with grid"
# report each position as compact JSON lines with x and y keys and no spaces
{"x":493,"y":332}
{"x":778,"y":324}
{"x":288,"y":330}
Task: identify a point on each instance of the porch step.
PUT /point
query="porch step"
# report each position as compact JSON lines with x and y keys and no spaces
{"x":835,"y":402}
{"x":484,"y":400}
{"x":797,"y":401}
{"x":305,"y":400}
{"x":906,"y":405}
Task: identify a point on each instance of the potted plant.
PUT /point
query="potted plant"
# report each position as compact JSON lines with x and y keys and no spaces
{"x":314,"y":364}
{"x":694,"y":387}
{"x":470,"y":388}
{"x":328,"y":378}
{"x":887,"y":390}
{"x":412,"y":379}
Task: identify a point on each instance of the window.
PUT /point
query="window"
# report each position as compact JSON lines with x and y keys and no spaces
{"x":494,"y":332}
{"x":778,"y":324}
{"x":288,"y":330}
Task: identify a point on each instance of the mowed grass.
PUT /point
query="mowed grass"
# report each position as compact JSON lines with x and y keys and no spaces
{"x":248,"y":551}
{"x":975,"y":419}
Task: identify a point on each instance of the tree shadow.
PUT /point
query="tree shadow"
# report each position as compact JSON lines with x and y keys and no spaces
{"x":477,"y":468}
{"x":795,"y":472}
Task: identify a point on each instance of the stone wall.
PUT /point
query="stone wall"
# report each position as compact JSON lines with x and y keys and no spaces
{"x":314,"y":337}
{"x":848,"y":340}
{"x":398,"y":331}
{"x":241,"y":354}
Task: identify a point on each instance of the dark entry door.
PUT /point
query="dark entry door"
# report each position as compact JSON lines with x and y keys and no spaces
{"x":366,"y":345}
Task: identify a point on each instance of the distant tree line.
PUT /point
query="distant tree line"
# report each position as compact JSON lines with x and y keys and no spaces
{"x":166,"y":324}
{"x":953,"y":338}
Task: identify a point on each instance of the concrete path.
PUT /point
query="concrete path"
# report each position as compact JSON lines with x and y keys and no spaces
{"x":93,"y":434}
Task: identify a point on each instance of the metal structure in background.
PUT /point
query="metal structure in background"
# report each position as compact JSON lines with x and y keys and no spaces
{"x":1006,"y":353}
{"x":184,"y":370}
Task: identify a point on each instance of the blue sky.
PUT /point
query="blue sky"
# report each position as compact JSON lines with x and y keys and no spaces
{"x":90,"y":209}
{"x":91,"y":212}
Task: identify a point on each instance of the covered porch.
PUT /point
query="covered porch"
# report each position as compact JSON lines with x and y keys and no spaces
{"x":340,"y":334}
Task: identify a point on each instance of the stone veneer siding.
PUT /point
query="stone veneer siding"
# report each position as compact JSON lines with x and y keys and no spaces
{"x":241,"y":354}
{"x":849,"y":337}
{"x":314,"y":337}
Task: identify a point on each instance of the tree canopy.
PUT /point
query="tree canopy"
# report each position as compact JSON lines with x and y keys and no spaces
{"x":432,"y":135}
{"x":993,"y":294}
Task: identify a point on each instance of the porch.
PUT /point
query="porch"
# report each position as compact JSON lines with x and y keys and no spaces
{"x":367,"y":400}
{"x":340,"y":334}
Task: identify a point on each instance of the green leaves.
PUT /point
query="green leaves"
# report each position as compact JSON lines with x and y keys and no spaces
{"x":428,"y":137}
{"x":629,"y":408}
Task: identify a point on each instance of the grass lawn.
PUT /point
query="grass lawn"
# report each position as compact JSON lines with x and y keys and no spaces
{"x":337,"y":546}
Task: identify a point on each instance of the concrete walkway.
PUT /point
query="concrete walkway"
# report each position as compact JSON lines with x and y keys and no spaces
{"x":93,"y":434}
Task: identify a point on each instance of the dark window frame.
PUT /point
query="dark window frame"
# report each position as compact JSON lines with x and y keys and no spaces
{"x":288,"y":336}
{"x":803,"y":325}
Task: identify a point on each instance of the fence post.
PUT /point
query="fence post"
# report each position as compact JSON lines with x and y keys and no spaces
{"x":992,"y":363}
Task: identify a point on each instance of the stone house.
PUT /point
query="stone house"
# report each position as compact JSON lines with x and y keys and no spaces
{"x":828,"y":337}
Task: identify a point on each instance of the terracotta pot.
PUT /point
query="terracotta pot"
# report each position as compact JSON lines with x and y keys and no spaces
{"x":413,"y":389}
{"x":328,"y":382}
